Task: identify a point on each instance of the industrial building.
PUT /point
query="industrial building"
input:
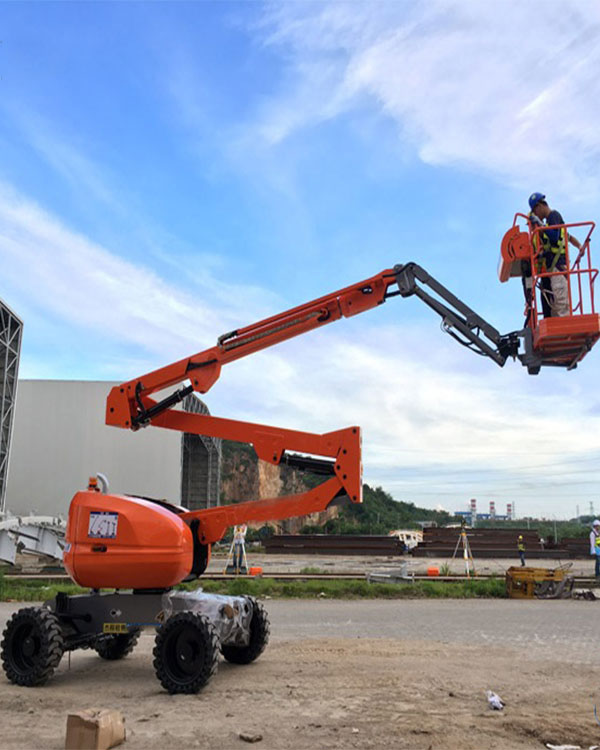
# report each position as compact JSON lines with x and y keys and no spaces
{"x":60,"y":440}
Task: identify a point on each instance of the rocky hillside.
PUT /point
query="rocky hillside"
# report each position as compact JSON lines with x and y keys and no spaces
{"x":245,"y":477}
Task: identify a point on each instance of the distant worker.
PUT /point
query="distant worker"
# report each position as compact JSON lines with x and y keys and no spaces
{"x":521,"y":549}
{"x":595,"y":545}
{"x":554,"y":252}
{"x":239,"y":537}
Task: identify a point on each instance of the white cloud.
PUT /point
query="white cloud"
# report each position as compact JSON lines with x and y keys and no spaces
{"x":509,"y":89}
{"x":85,"y":286}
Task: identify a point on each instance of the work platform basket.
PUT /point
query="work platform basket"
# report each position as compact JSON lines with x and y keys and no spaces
{"x":560,"y":341}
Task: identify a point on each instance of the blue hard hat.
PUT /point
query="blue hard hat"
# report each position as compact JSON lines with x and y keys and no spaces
{"x":534,"y":199}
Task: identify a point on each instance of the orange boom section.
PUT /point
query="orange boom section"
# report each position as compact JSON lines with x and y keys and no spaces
{"x":559,"y":341}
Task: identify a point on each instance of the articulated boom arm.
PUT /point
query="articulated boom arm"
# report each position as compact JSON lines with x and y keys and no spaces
{"x":129,"y":405}
{"x":339,"y":453}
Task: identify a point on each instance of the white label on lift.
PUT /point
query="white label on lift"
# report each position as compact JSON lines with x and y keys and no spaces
{"x":103,"y":525}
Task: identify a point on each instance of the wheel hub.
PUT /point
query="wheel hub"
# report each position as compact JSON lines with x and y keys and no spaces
{"x":186,"y":651}
{"x":29,"y":647}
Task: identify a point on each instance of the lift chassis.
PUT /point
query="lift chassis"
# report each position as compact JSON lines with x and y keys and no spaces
{"x":142,"y":547}
{"x":192,"y":628}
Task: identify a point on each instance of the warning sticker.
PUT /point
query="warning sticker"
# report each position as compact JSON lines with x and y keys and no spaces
{"x":115,"y":627}
{"x":103,"y":525}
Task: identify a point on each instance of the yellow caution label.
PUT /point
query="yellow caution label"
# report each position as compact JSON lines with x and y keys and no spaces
{"x":115,"y":627}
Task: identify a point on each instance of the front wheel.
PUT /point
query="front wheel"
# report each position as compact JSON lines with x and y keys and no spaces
{"x":186,"y":652}
{"x":259,"y":637}
{"x":32,"y":646}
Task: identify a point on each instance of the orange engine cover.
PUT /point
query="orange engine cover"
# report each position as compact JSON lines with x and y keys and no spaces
{"x":113,"y":541}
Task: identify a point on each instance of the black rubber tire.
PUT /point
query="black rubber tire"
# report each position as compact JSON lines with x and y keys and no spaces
{"x":113,"y":647}
{"x":259,"y":637}
{"x":32,"y":646}
{"x":186,"y":653}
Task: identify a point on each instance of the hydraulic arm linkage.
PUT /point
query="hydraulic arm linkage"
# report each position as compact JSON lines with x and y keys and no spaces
{"x":130,"y":405}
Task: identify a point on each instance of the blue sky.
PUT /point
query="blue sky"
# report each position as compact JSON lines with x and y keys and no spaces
{"x":171,"y":171}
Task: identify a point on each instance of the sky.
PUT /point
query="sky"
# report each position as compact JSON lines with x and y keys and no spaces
{"x":172,"y":171}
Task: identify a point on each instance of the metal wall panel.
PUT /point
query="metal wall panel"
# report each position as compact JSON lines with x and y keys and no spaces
{"x":11,"y":330}
{"x":60,"y":440}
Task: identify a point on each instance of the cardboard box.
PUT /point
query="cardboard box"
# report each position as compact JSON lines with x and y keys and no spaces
{"x":94,"y":729}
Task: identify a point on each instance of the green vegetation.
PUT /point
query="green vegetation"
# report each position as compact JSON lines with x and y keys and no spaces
{"x":17,"y":590}
{"x":348,"y":589}
{"x":379,"y":513}
{"x":311,"y":571}
{"x":30,"y":591}
{"x":358,"y":589}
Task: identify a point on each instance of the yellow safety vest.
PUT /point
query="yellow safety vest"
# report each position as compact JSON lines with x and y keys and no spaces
{"x":559,"y":249}
{"x":521,"y":546}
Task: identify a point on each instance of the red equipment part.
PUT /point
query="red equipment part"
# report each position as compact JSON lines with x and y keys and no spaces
{"x":559,"y":341}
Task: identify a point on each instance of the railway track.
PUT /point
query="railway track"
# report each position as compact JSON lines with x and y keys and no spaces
{"x":580,"y":581}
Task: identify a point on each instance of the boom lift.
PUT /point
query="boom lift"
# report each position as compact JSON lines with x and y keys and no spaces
{"x":149,"y":546}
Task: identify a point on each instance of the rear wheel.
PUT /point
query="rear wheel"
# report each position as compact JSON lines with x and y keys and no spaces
{"x":259,"y":637}
{"x":185,"y":653}
{"x":32,"y":646}
{"x":113,"y":647}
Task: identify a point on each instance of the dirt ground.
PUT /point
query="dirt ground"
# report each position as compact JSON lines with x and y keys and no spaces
{"x":332,"y":692}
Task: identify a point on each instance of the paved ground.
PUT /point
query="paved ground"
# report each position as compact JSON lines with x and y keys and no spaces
{"x":568,"y":629}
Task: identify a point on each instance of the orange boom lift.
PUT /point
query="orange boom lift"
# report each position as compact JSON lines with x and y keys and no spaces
{"x":148,"y":546}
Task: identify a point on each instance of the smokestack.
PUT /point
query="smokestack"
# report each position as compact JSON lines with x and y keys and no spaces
{"x":473,"y":512}
{"x":509,"y":511}
{"x":492,"y":509}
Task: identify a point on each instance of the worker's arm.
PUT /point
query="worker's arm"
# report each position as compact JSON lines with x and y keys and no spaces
{"x":575,"y":241}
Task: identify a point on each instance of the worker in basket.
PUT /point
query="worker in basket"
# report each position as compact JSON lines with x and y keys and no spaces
{"x":553,"y":255}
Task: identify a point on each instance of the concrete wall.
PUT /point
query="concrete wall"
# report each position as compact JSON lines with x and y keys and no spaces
{"x":60,"y":439}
